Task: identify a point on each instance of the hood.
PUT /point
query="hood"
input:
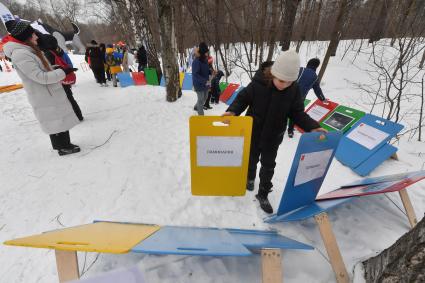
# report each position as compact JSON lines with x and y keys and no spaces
{"x":260,"y":77}
{"x":219,"y":75}
{"x":12,"y":45}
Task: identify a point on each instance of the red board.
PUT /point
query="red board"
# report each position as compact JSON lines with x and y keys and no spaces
{"x":372,"y":189}
{"x":139,"y":78}
{"x":227,"y":93}
{"x":319,"y":110}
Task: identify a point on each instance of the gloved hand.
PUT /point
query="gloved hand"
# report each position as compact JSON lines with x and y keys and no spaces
{"x":66,"y":70}
{"x":69,"y":70}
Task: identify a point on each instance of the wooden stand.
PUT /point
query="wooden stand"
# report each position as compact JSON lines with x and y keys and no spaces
{"x":67,"y":265}
{"x":331,"y":246}
{"x":271,"y":266}
{"x":408,"y":207}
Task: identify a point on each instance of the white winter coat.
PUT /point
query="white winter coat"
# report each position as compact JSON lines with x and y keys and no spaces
{"x":44,"y":89}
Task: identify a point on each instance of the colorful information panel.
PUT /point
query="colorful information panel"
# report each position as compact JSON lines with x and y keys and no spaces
{"x":341,"y":119}
{"x":366,"y":142}
{"x":227,"y":93}
{"x":151,"y":76}
{"x":219,"y":155}
{"x":320,"y":109}
{"x":377,"y":188}
{"x":102,"y":237}
{"x":139,"y":78}
{"x":125,"y":79}
{"x":223,"y":86}
{"x":311,"y":163}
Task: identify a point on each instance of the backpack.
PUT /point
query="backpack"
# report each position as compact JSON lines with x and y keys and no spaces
{"x":71,"y":78}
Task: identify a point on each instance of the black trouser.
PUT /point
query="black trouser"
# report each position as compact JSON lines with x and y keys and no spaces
{"x":74,"y":103}
{"x":267,"y":156}
{"x":60,"y":140}
{"x":290,"y":126}
{"x":99,"y":74}
{"x":215,"y":96}
{"x":108,"y":74}
{"x":207,"y":102}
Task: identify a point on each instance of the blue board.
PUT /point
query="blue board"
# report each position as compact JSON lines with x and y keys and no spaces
{"x":387,"y":178}
{"x":295,"y":197}
{"x":192,"y":241}
{"x":376,"y":159}
{"x":234,"y":95}
{"x":307,"y":211}
{"x":254,"y":239}
{"x":352,"y":154}
{"x":162,"y":83}
{"x":125,"y":79}
{"x":187,"y":82}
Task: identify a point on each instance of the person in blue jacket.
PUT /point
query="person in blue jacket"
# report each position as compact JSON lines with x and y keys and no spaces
{"x":307,"y":79}
{"x":200,"y":76}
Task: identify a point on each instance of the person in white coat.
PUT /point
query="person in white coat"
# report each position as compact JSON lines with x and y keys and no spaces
{"x":42,"y":83}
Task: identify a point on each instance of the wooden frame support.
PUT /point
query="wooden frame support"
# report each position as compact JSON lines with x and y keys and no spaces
{"x":67,"y":265}
{"x":271,"y":266}
{"x":394,"y":156}
{"x":331,"y":246}
{"x":408,"y":207}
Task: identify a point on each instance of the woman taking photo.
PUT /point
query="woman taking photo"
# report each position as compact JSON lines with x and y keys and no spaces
{"x":42,"y":84}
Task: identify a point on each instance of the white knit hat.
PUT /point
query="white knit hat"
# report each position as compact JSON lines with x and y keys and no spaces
{"x":286,"y":66}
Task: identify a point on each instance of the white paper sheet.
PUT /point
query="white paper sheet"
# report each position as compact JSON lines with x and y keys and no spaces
{"x":367,"y":136}
{"x":317,"y":112}
{"x":219,"y":151}
{"x":312,"y":166}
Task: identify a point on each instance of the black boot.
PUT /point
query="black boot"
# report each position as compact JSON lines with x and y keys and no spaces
{"x":72,"y":148}
{"x":250,"y":185}
{"x":291,"y":133}
{"x":262,"y":198}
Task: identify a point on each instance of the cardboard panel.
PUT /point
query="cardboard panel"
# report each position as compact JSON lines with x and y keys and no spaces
{"x":219,"y":155}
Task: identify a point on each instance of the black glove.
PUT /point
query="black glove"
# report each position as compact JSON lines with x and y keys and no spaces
{"x":69,"y":70}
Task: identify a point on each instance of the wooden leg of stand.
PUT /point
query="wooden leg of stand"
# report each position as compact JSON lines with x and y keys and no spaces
{"x":331,"y":246}
{"x":67,"y":265}
{"x":271,"y":262}
{"x":394,"y":156}
{"x":408,"y":207}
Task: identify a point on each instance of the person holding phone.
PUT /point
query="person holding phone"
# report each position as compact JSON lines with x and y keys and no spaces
{"x":42,"y":84}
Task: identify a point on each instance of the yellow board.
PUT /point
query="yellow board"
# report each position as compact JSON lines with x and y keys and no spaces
{"x":181,"y":76}
{"x":115,"y":69}
{"x":216,"y":179}
{"x":102,"y":237}
{"x":8,"y":88}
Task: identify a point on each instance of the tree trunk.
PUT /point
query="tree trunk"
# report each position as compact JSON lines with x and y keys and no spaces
{"x":378,"y":30}
{"x":404,"y":261}
{"x":273,"y":29}
{"x":421,"y":64}
{"x":334,"y":39}
{"x":169,"y":49}
{"x":291,"y":7}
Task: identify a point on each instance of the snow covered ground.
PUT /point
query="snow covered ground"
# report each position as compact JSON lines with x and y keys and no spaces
{"x":134,"y":166}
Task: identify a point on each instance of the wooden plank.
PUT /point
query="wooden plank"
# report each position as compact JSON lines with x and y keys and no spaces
{"x":331,"y":246}
{"x":271,"y":262}
{"x":67,"y":265}
{"x":408,"y":207}
{"x":394,"y":156}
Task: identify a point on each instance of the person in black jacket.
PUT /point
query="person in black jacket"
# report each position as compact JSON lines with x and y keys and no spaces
{"x":142,"y":58}
{"x":49,"y":45}
{"x":272,"y":97}
{"x":96,"y":60}
{"x":215,"y":87}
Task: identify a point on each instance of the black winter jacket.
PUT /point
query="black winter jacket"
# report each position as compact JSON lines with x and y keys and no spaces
{"x":270,"y":109}
{"x":97,"y":57}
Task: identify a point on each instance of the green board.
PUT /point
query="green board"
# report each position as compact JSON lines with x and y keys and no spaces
{"x":223,"y":86}
{"x":341,"y":119}
{"x":306,"y":102}
{"x":151,"y":76}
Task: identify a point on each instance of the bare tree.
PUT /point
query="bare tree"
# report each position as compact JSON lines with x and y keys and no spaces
{"x":290,"y":11}
{"x":169,"y":49}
